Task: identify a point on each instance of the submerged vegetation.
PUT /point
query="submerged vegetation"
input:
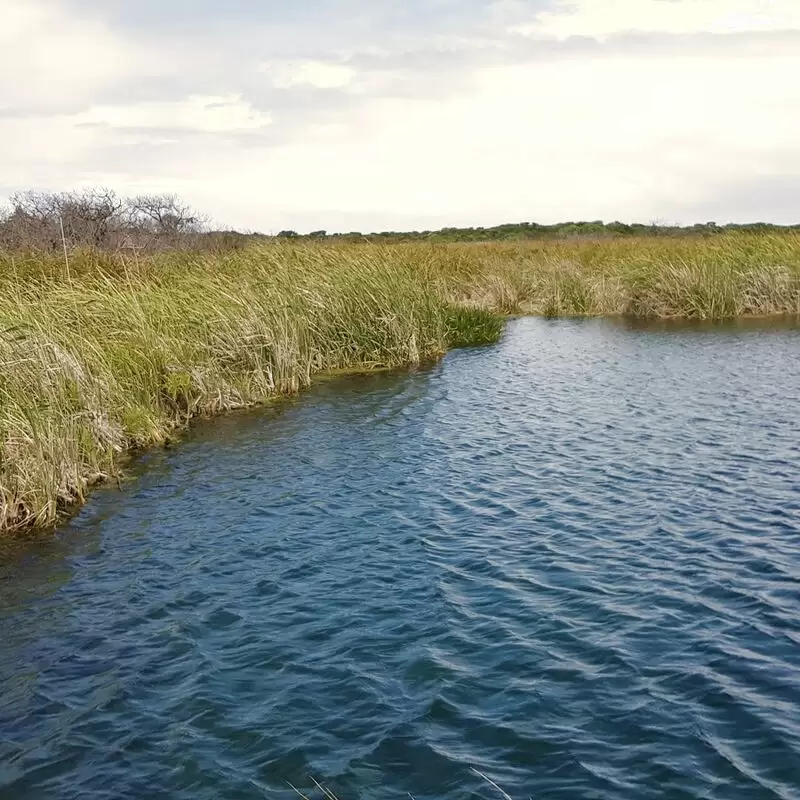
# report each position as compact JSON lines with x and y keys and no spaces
{"x":102,"y":353}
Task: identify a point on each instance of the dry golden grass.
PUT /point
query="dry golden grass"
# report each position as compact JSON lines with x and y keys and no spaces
{"x":108,"y":354}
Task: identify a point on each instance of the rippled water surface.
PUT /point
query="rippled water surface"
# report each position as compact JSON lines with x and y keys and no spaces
{"x":569,"y":562}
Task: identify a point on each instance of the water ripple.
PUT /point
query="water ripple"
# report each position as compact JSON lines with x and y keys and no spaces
{"x":570,"y":562}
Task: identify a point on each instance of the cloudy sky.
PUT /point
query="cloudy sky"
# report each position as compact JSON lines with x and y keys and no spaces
{"x":376,"y":114}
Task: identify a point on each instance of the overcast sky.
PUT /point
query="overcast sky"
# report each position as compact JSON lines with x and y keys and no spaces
{"x":398,"y":114}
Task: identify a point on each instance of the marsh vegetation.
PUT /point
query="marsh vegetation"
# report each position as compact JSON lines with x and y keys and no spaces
{"x":104,"y":352}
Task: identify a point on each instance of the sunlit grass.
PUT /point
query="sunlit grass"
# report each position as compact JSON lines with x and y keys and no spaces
{"x":106,"y":354}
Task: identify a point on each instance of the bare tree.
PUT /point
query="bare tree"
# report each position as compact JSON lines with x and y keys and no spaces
{"x":5,"y":227}
{"x":92,"y":216}
{"x":33,"y":221}
{"x":98,"y":217}
{"x":163,"y":214}
{"x":89,"y":218}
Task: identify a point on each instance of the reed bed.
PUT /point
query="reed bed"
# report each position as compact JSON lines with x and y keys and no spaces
{"x":103,"y":354}
{"x":721,"y":277}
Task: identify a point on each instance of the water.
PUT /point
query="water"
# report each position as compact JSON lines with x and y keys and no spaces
{"x":570,"y":562}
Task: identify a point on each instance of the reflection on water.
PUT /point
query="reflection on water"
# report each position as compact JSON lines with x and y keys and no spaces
{"x":570,"y":562}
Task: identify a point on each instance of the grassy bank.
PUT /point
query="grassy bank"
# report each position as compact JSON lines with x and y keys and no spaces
{"x":108,"y":354}
{"x":723,"y":277}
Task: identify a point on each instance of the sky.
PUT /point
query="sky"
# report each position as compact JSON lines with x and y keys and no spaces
{"x":415,"y":114}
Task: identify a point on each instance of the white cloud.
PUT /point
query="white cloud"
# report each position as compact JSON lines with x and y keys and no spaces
{"x":48,"y":57}
{"x":603,"y":17}
{"x":60,"y":150}
{"x":202,"y":114}
{"x":319,"y":74}
{"x":619,"y":139}
{"x":620,"y":132}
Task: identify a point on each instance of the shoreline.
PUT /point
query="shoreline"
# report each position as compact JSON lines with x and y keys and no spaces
{"x":114,"y":357}
{"x":174,"y":436}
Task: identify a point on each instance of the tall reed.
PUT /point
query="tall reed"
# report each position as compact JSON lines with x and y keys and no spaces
{"x":123,"y":353}
{"x":115,"y":353}
{"x":726,"y":276}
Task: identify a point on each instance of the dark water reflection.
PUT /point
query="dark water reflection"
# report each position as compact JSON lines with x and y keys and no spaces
{"x":571,"y":562}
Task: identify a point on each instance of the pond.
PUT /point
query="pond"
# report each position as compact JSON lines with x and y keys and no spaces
{"x":568,"y":564}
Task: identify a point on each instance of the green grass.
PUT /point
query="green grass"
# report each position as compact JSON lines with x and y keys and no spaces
{"x":113,"y":354}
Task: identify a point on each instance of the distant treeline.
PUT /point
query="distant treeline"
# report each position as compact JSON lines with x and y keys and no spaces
{"x":99,"y":218}
{"x":532,"y":231}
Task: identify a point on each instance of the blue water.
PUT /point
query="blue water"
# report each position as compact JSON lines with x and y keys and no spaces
{"x":570,"y":562}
